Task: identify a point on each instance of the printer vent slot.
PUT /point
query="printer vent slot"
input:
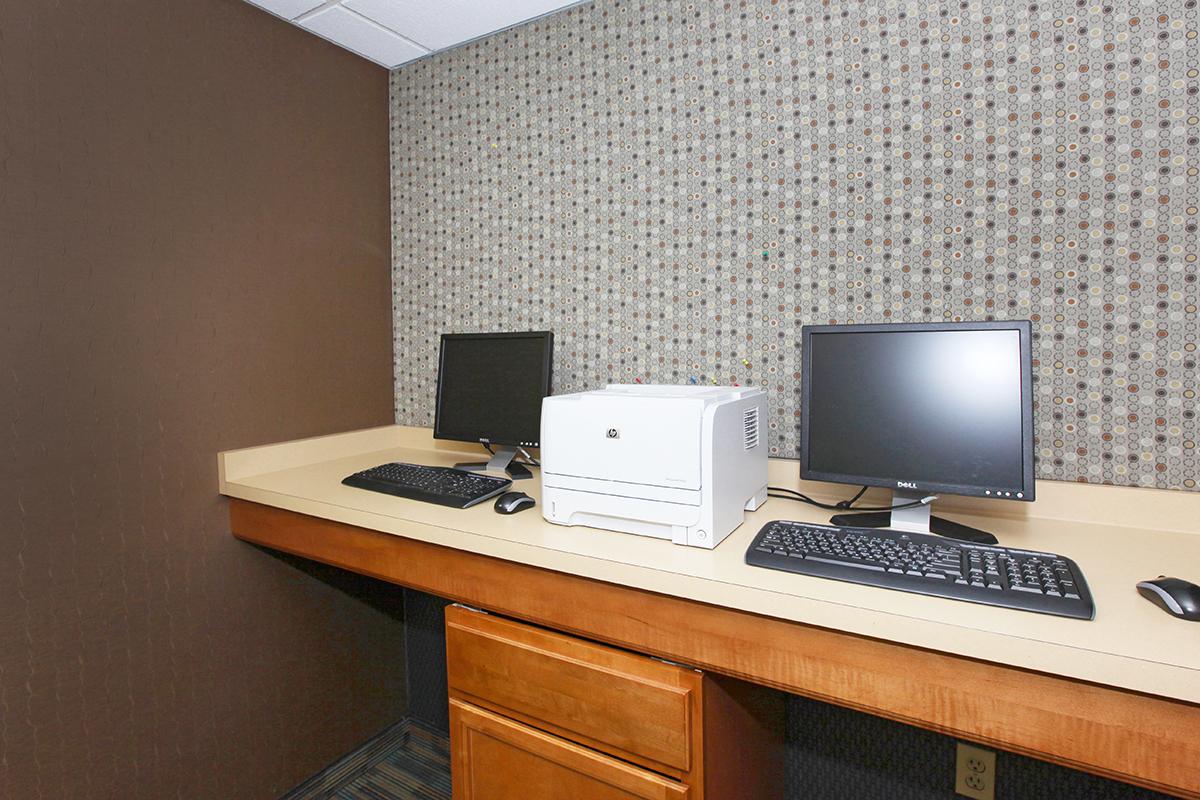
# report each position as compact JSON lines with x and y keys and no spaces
{"x":750,"y":428}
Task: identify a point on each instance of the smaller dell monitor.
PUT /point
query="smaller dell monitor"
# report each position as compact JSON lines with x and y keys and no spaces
{"x":922,"y":409}
{"x":489,"y":390}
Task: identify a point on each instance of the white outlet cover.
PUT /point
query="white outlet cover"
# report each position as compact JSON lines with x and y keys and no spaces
{"x":975,"y":772}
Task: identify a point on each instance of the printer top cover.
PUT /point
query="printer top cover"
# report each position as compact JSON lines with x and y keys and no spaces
{"x":640,"y":434}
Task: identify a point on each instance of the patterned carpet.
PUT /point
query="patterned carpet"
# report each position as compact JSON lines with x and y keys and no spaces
{"x":409,"y":761}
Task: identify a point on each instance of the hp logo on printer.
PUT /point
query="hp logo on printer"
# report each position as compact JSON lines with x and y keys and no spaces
{"x":906,"y":484}
{"x":613,"y":433}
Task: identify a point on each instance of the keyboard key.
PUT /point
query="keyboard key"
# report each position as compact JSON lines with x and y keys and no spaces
{"x":848,"y":562}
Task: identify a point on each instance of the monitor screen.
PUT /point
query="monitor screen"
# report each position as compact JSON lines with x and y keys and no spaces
{"x":937,"y":407}
{"x":491,"y":385}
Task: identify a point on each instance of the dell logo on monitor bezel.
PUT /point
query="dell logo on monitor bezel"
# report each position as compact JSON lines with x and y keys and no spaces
{"x":906,"y":484}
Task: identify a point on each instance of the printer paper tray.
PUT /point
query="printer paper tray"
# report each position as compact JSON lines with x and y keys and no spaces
{"x":622,"y":489}
{"x":628,"y":514}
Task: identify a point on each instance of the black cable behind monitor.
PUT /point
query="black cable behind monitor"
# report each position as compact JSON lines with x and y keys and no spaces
{"x":882,"y":515}
{"x":842,"y":505}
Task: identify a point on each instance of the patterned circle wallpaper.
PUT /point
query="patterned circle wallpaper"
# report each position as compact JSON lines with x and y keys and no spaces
{"x":674,"y":188}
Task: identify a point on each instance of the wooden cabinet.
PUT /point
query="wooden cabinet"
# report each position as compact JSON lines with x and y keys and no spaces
{"x":539,"y":714}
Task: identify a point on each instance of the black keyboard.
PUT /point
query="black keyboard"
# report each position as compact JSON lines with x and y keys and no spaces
{"x":926,"y":564}
{"x":445,"y":486}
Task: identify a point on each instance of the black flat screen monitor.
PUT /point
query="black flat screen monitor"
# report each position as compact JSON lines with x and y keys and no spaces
{"x":490,"y":387}
{"x":920,"y":408}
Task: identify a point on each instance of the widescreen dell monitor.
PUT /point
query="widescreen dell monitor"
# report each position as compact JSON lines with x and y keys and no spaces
{"x":490,"y":388}
{"x":923,"y":409}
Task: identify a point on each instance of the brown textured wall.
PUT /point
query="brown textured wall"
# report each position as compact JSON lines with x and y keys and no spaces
{"x":194,"y":243}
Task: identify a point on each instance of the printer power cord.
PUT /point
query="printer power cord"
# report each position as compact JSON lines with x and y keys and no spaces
{"x":843,"y":505}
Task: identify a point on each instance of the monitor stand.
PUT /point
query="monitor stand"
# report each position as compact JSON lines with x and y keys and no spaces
{"x":502,"y":461}
{"x":917,"y":519}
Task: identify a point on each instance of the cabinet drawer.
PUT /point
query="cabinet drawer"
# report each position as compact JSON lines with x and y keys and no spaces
{"x":495,"y":758}
{"x":628,"y":705}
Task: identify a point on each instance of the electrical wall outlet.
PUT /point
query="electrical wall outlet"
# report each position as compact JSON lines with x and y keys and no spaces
{"x":975,"y":775}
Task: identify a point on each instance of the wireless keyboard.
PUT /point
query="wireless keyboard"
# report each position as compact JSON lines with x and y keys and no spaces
{"x":442,"y":485}
{"x":926,"y":564}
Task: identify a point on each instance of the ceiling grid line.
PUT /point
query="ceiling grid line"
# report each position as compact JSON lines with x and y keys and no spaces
{"x":396,"y":32}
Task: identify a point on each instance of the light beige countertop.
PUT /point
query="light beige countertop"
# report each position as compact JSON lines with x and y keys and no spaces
{"x":1117,"y":535}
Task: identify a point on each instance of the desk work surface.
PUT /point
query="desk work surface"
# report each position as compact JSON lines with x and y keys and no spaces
{"x":1117,"y":535}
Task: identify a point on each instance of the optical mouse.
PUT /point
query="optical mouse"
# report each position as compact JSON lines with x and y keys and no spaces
{"x":1177,"y":597}
{"x":512,"y":502}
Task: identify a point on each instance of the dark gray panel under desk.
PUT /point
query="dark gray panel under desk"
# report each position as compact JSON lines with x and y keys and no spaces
{"x":836,"y":752}
{"x":425,"y":644}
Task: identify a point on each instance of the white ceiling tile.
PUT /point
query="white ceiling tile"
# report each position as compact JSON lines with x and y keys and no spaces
{"x":448,"y":22}
{"x":364,"y":37}
{"x":288,"y":9}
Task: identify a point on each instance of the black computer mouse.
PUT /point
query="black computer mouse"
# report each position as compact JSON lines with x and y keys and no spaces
{"x":512,"y":502}
{"x":1177,"y":597}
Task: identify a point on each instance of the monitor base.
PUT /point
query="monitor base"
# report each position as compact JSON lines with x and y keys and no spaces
{"x":938,"y":525}
{"x":502,"y":461}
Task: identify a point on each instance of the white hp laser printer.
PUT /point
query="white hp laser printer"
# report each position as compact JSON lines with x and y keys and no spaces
{"x":676,"y":462}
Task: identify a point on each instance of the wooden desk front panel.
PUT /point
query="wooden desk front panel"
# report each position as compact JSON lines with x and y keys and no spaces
{"x":1146,"y":740}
